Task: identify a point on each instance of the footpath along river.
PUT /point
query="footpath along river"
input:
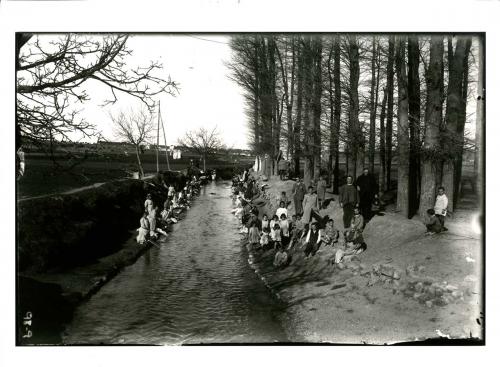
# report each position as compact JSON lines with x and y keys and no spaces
{"x":196,"y":288}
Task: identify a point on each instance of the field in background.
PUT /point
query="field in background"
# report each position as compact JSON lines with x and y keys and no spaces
{"x":42,"y":177}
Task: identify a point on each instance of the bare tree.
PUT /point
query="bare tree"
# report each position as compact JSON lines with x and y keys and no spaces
{"x":478,"y":159}
{"x":453,"y":134}
{"x":135,"y":128}
{"x":414,"y":124}
{"x":202,"y":141}
{"x":356,"y":139}
{"x":52,"y":72}
{"x":433,"y":117}
{"x":374,"y":86}
{"x":390,"y":111}
{"x":403,"y":127}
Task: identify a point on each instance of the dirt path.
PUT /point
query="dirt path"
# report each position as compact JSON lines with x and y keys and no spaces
{"x":78,"y":189}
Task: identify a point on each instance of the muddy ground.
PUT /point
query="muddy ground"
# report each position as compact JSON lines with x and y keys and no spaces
{"x":405,"y":287}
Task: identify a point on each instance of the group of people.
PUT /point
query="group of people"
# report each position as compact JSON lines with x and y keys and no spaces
{"x":435,"y":217}
{"x":307,"y":229}
{"x":155,"y":222}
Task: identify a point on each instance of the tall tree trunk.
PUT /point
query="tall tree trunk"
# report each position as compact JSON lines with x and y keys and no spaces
{"x":403,"y":140}
{"x":479,"y":139}
{"x":316,"y":105}
{"x":355,"y":135}
{"x":414,"y":122}
{"x":309,"y":124}
{"x":373,"y":106}
{"x":267,"y":96}
{"x":453,"y":142}
{"x":433,"y":118}
{"x":288,"y":90}
{"x":276,"y":120}
{"x":298,"y":120}
{"x":390,"y":111}
{"x":461,"y":123}
{"x":382,"y":174}
{"x":331,"y":103}
{"x":337,"y":112}
{"x":139,"y":163}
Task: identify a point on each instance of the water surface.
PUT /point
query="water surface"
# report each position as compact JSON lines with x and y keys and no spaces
{"x":196,"y":288}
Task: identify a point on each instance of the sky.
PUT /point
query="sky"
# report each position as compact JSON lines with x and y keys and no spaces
{"x":207,"y":97}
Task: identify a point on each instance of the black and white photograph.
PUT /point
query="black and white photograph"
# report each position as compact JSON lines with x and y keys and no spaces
{"x":237,"y":180}
{"x":262,"y":188}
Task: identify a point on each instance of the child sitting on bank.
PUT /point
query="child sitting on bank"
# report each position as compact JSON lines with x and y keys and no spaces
{"x":281,"y":258}
{"x":274,"y":221}
{"x":175,"y":201}
{"x":354,"y":235}
{"x":276,"y":235}
{"x":265,"y":222}
{"x":293,"y":231}
{"x":148,"y":204}
{"x":253,"y":235}
{"x":264,"y":238}
{"x":282,"y":210}
{"x":285,"y":230}
{"x":432,"y":223}
{"x":331,"y":234}
{"x":239,"y":211}
{"x":282,"y":198}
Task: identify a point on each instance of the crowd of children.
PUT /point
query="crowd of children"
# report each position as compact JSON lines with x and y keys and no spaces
{"x":286,"y":234}
{"x":153,"y":222}
{"x":307,"y":231}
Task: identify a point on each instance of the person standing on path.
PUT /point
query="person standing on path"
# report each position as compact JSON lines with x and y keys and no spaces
{"x":309,"y":204}
{"x":283,"y":169}
{"x":441,"y":206}
{"x":298,"y":191}
{"x":321,"y":190}
{"x":368,"y":190}
{"x":348,"y":199}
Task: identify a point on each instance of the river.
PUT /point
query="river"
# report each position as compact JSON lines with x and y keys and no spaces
{"x":196,"y":288}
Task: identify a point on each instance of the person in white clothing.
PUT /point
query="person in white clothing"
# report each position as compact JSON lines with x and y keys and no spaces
{"x":441,"y":206}
{"x":148,"y":204}
{"x":143,"y":229}
{"x":282,"y":210}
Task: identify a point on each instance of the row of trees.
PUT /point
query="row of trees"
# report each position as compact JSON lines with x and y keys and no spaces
{"x":396,"y":100}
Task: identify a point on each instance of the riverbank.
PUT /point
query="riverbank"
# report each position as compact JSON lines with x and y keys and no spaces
{"x":70,"y":245}
{"x":405,"y":287}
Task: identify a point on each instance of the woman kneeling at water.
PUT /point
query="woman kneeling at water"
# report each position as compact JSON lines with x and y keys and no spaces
{"x":143,"y":229}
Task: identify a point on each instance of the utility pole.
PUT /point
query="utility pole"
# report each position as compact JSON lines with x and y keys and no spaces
{"x":158,"y":141}
{"x":164,"y":138}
